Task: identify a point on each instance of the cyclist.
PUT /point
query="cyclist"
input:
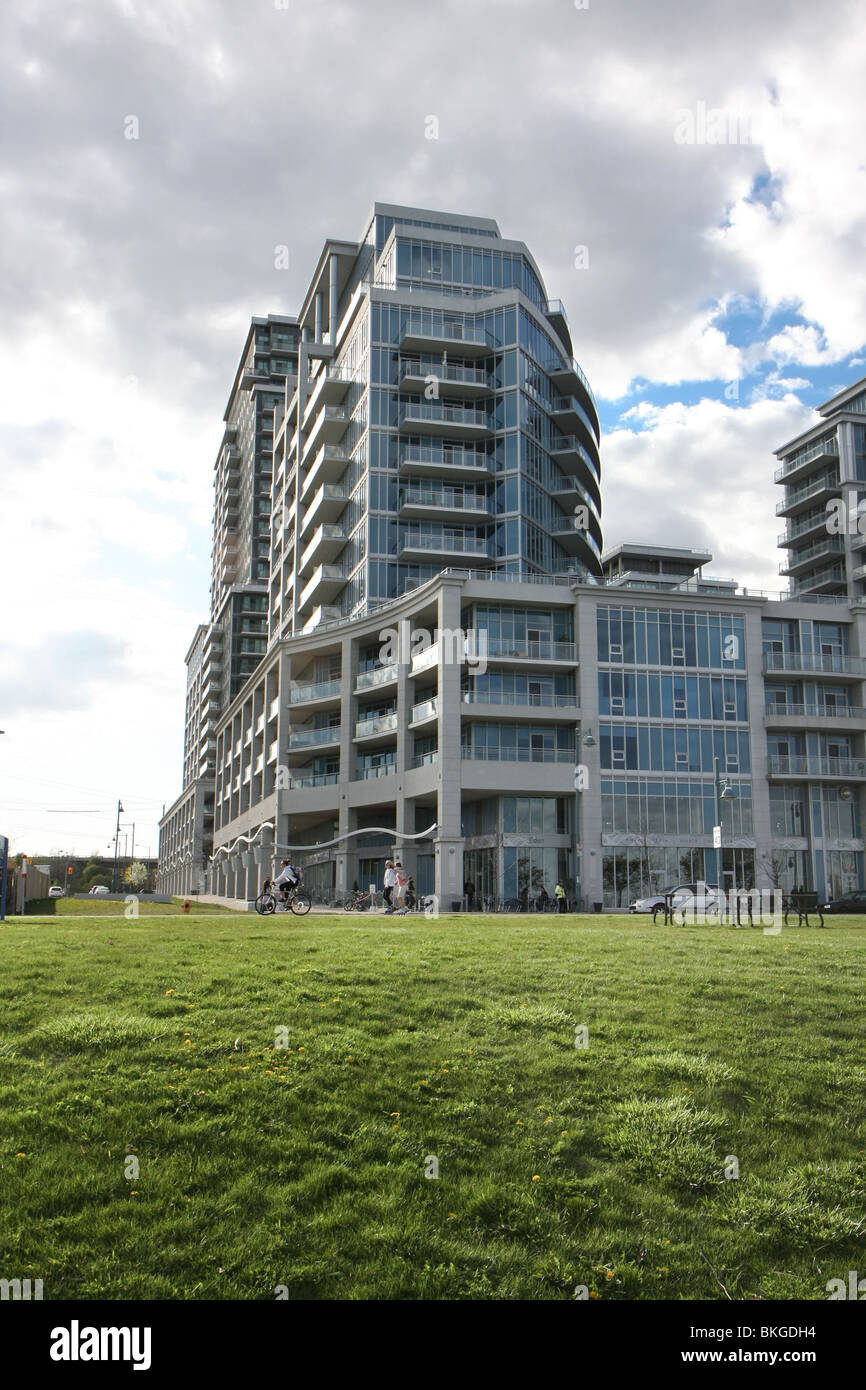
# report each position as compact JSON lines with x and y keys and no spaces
{"x":287,"y":880}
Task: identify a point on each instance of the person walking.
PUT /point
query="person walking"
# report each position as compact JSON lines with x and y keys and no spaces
{"x":411,"y":894}
{"x":389,"y":883}
{"x":400,"y":894}
{"x":560,"y":895}
{"x":542,"y":900}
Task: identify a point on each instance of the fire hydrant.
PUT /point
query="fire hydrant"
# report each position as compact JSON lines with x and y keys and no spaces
{"x":186,"y":904}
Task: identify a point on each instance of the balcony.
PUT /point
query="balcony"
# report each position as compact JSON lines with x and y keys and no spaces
{"x":520,"y":649}
{"x":378,"y":676}
{"x":365,"y":774}
{"x":328,"y":466}
{"x":816,"y":663}
{"x":826,"y":581}
{"x":328,"y":427}
{"x":440,"y":504}
{"x":810,"y":525}
{"x":446,"y":421}
{"x":813,"y":765}
{"x":317,"y":690}
{"x":376,"y":726}
{"x":571,"y":381}
{"x":570,"y":455}
{"x":472,"y":341}
{"x":787,"y":714}
{"x":307,"y":781}
{"x":328,"y":503}
{"x":801,"y":497}
{"x":801,"y":463}
{"x":800,"y":560}
{"x":443,"y":463}
{"x":424,"y":711}
{"x":536,"y":699}
{"x":518,"y":755}
{"x":326,"y":583}
{"x":425,"y":759}
{"x":423,"y":547}
{"x":324,"y":615}
{"x":452,"y":379}
{"x":314,"y":738}
{"x":329,"y":388}
{"x":325,"y":545}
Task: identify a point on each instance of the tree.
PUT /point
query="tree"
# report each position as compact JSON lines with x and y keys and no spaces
{"x":135,"y":875}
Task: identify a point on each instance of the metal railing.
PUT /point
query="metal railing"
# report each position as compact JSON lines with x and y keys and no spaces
{"x":379,"y":675}
{"x":812,"y":765}
{"x":824,"y":446}
{"x":797,"y":711}
{"x":517,"y":755}
{"x":311,"y":738}
{"x":544,"y":699}
{"x":815,"y":661}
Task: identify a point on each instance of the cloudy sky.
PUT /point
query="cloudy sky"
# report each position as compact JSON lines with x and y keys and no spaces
{"x":708,"y":157}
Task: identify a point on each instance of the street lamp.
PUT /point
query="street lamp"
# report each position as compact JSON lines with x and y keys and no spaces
{"x":722,"y":791}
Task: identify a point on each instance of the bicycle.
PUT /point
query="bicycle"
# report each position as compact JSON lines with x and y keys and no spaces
{"x":296,"y":901}
{"x":361,"y":902}
{"x":799,"y":907}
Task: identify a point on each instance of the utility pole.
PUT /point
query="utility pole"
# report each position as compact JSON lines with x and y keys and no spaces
{"x":116,"y":845}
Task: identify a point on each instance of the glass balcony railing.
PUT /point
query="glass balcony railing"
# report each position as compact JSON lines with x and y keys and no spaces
{"x":458,"y":544}
{"x":540,"y":699}
{"x":518,"y":755}
{"x":444,"y":414}
{"x":318,"y":690}
{"x":446,"y":498}
{"x":378,"y":724}
{"x":526,"y":650}
{"x":426,"y":709}
{"x":425,"y":759}
{"x":311,"y":738}
{"x":365,"y":774}
{"x":445,"y":372}
{"x":314,"y":779}
{"x":828,"y":447}
{"x":380,"y":675}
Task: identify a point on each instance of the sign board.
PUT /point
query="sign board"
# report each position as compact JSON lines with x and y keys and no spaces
{"x":717,"y":837}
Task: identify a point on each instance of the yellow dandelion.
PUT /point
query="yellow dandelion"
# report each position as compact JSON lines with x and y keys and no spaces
{"x":169,"y":991}
{"x":244,"y":1069}
{"x":134,"y":1192}
{"x":536,"y":1178}
{"x":302,"y":1049}
{"x":593,"y":1294}
{"x":393,"y":1114}
{"x":564,"y":1132}
{"x":520,"y":1124}
{"x":665,"y":1269}
{"x":20,"y":1155}
{"x":609,"y":1274}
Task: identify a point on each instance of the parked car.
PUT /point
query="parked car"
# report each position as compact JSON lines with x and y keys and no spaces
{"x":692,"y":897}
{"x":55,"y":891}
{"x":849,"y":902}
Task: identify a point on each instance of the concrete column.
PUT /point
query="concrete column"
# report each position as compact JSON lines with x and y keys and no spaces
{"x":589,"y":865}
{"x":448,"y":841}
{"x":333,"y":271}
{"x":317,"y":331}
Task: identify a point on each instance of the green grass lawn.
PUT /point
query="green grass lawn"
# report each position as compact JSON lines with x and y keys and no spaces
{"x":100,"y":907}
{"x":410,"y":1039}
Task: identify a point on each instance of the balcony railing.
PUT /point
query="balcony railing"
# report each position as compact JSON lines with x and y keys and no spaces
{"x":518,"y":755}
{"x":315,"y":779}
{"x":445,"y":372}
{"x":834,"y":574}
{"x":815,"y":661}
{"x":526,"y":650}
{"x":319,"y":690}
{"x":543,"y":699}
{"x":365,"y":774}
{"x":380,"y":675}
{"x":796,"y":711}
{"x":312,"y":738}
{"x":446,"y":497}
{"x":815,"y":766}
{"x":446,"y":545}
{"x":445,"y":414}
{"x":414,"y":454}
{"x":378,"y":724}
{"x":824,"y":446}
{"x":425,"y":759}
{"x":827,"y":483}
{"x":426,"y":709}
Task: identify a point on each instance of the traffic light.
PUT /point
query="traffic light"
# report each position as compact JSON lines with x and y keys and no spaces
{"x":68,"y":870}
